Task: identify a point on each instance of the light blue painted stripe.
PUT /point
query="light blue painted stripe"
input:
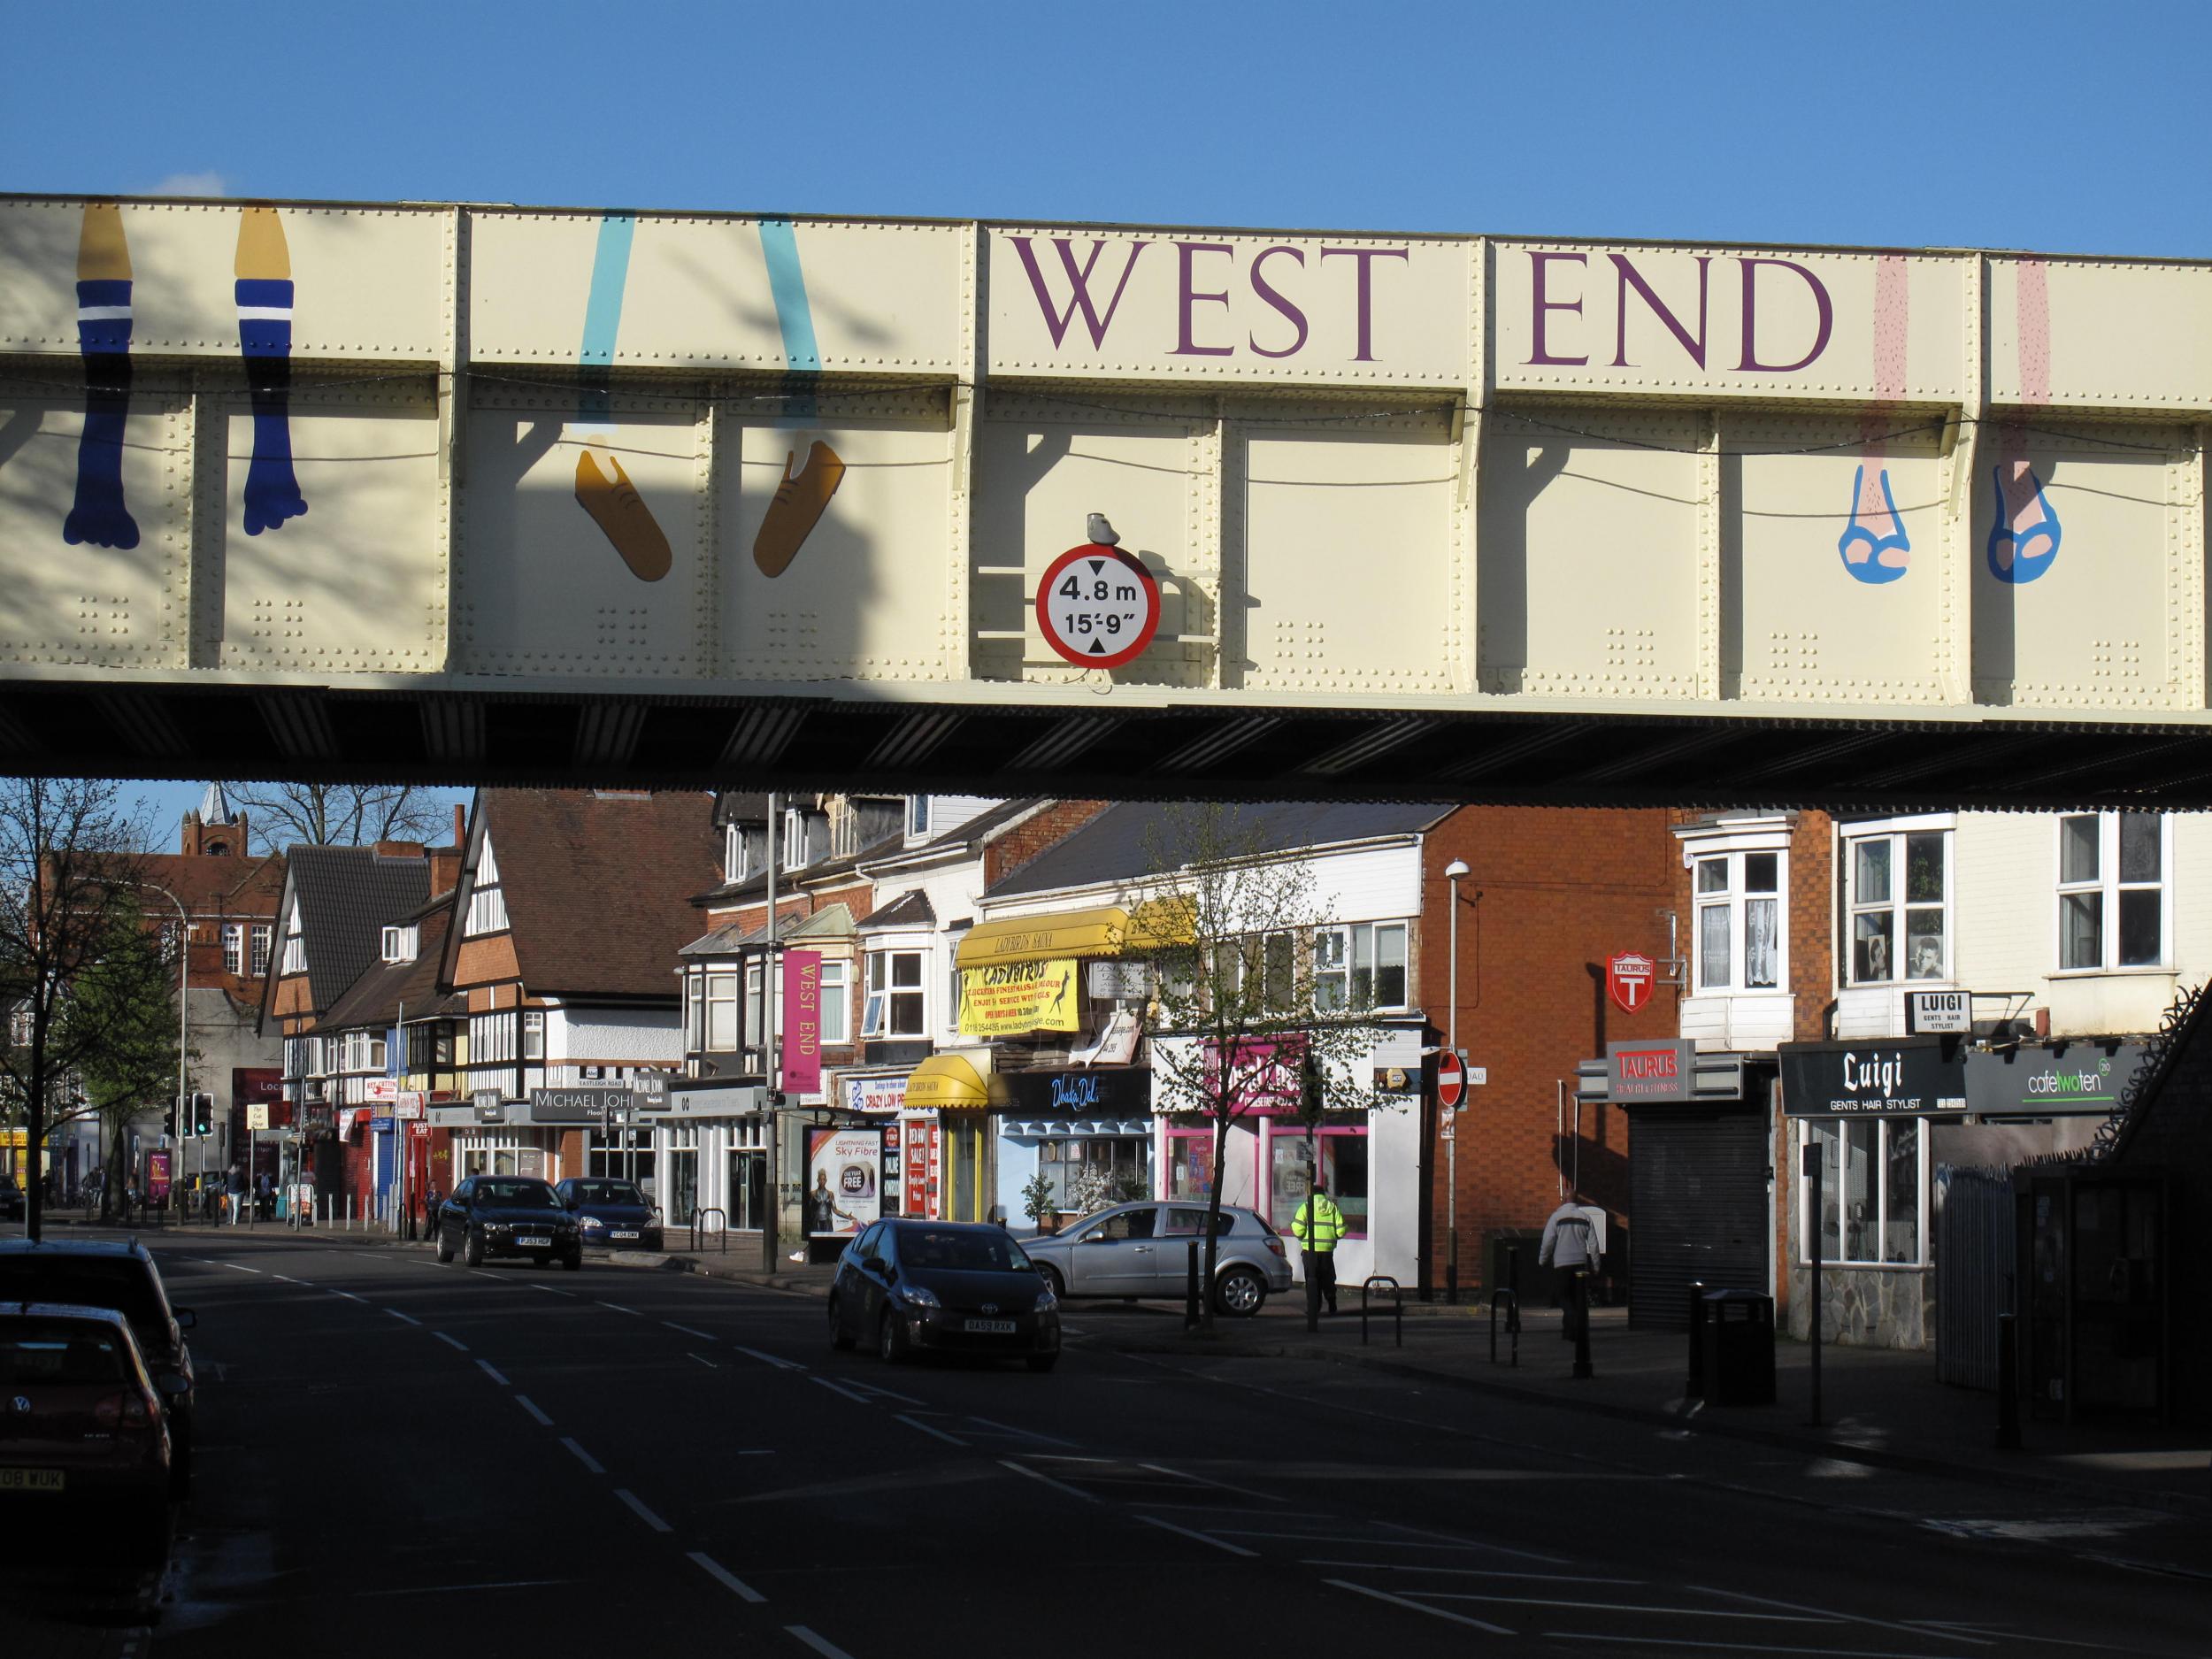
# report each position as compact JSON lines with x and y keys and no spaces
{"x":609,"y":271}
{"x":787,"y":283}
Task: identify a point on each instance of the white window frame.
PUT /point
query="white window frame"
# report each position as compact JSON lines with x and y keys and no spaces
{"x":264,"y":933}
{"x":1832,"y":1188}
{"x":235,"y":949}
{"x":721,"y":1028}
{"x":1896,"y":832}
{"x":733,"y":853}
{"x":1344,"y":952}
{"x":793,"y":838}
{"x":399,"y":944}
{"x":837,"y":1001}
{"x":378,"y":1052}
{"x":533,"y":1033}
{"x":2107,"y":887}
{"x":917,"y":815}
{"x":695,"y":1013}
{"x":889,"y":992}
{"x":1735,"y":900}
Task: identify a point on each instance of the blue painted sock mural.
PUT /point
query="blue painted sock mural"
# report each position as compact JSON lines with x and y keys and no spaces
{"x":264,"y":341}
{"x":104,"y":341}
{"x":614,"y":504}
{"x":803,"y":495}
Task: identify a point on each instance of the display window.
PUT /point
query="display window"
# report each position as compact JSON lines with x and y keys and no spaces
{"x":1342,"y":1156}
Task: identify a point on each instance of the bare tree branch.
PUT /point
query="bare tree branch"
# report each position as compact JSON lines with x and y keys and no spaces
{"x":337,"y":814}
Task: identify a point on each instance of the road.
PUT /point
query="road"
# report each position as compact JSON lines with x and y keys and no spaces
{"x":397,"y":1454}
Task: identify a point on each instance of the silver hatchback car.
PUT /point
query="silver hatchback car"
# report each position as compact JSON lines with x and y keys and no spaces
{"x":1142,"y":1249}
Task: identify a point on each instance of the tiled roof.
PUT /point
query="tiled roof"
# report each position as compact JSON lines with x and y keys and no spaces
{"x":756,"y":886}
{"x":347,"y":895}
{"x":598,"y":886}
{"x":912,"y":908}
{"x":385,"y":988}
{"x":1118,"y":844}
{"x":832,"y":921}
{"x":213,"y":885}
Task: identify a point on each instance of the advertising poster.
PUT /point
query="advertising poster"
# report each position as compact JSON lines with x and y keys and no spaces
{"x":844,"y":1191}
{"x":157,"y":1177}
{"x":921,"y":1167}
{"x":1013,"y":997}
{"x":803,"y":1021}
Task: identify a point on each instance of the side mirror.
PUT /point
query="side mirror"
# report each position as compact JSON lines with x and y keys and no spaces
{"x":186,"y":1318}
{"x":172,"y":1384}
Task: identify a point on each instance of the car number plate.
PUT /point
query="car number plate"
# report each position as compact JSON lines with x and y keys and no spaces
{"x":30,"y":1479}
{"x":625,"y":1235}
{"x":990,"y":1327}
{"x":534,"y":1244}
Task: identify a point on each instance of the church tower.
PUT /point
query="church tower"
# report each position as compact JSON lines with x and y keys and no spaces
{"x":216,"y":830}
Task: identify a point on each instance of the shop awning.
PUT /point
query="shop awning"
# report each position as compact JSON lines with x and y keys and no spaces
{"x":1066,"y":1128}
{"x":948,"y":1083}
{"x":1106,"y":932}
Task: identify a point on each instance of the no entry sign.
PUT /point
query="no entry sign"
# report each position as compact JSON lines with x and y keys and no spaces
{"x":1097,"y":606}
{"x":1451,"y":1081}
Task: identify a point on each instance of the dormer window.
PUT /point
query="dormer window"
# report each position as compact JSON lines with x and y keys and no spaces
{"x":732,"y":854}
{"x":794,"y":840}
{"x":400,"y":943}
{"x":917,"y":815}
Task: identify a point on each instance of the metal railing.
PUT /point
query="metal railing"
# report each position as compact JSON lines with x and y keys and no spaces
{"x":1372,"y":1284}
{"x":1512,"y":1325}
{"x":699,"y":1228}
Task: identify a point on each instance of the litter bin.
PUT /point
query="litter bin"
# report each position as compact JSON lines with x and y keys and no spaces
{"x":1736,"y":1366}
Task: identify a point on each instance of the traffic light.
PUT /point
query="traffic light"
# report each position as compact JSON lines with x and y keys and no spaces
{"x":169,"y":1126}
{"x":204,"y":1114}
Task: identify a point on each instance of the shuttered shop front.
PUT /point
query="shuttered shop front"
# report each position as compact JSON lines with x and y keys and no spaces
{"x":1697,"y":1182}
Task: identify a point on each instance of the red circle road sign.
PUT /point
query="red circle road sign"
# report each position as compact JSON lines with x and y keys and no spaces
{"x":1451,"y":1079}
{"x":1097,"y":606}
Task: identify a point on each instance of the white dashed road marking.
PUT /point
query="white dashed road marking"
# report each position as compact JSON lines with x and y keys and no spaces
{"x":454,"y":1343}
{"x":827,"y":1649}
{"x":583,"y":1456}
{"x":1218,"y":1543}
{"x":688,"y":1331}
{"x":643,"y":1513}
{"x":1418,"y":1607}
{"x":492,"y":1373}
{"x":727,"y":1580}
{"x":396,"y":1314}
{"x":913,"y":1422}
{"x":1077,"y":1492}
{"x":529,"y":1405}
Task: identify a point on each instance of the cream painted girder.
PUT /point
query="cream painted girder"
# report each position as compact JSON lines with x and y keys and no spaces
{"x":1371,"y":473}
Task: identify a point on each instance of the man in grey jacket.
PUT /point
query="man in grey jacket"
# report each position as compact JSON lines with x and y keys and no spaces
{"x":1570,"y":1244}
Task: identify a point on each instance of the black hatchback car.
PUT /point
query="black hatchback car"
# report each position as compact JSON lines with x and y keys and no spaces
{"x":956,"y":1286}
{"x":119,"y":1274}
{"x":508,"y":1215}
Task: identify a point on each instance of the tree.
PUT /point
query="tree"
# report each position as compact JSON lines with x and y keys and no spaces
{"x":78,"y":969}
{"x":338,"y":814}
{"x":127,"y":1010}
{"x":1238,"y":1020}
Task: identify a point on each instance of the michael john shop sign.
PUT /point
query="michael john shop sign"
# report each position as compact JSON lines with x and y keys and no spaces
{"x":1910,"y":1076}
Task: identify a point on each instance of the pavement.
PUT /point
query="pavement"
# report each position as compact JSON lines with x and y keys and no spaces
{"x":1884,"y":1408}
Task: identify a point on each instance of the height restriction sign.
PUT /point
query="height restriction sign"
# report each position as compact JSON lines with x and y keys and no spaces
{"x":1097,"y":606}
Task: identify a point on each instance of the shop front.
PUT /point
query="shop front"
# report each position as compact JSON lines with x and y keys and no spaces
{"x":1871,"y":1111}
{"x":952,"y":1090}
{"x":1087,"y":1131}
{"x":706,"y":1152}
{"x":1701,"y":1172}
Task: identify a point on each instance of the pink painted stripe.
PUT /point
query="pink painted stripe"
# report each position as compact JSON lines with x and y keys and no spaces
{"x":2031,"y":301}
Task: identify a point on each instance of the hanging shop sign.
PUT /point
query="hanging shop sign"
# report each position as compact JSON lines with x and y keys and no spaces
{"x":1012,"y":998}
{"x":1079,"y":1094}
{"x":1629,"y":978}
{"x":1948,"y":1013}
{"x":875,"y":1094}
{"x":2042,"y":1080}
{"x":1902,"y":1077}
{"x":844,"y":1181}
{"x":491,"y":1106}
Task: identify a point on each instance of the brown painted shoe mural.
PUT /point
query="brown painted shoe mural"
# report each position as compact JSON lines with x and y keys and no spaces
{"x":617,"y":508}
{"x":800,"y":502}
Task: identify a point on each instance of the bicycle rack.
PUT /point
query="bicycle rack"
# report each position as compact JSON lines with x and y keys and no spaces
{"x":1373,"y":1282}
{"x":698,"y":1223}
{"x":1512,"y":1325}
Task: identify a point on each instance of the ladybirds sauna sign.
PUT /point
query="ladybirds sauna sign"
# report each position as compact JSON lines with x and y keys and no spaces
{"x":1097,"y":606}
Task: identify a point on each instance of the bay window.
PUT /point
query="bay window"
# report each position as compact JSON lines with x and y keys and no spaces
{"x":896,"y":1004}
{"x":721,"y":1013}
{"x":1738,"y":933}
{"x":837,"y":1017}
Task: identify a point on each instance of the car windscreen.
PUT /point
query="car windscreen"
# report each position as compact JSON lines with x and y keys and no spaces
{"x":986,"y":1252}
{"x":607,"y":1193}
{"x":517,"y":1194}
{"x":58,"y":1351}
{"x":120,"y":1282}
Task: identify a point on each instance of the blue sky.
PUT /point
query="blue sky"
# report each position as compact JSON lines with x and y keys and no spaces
{"x":2064,"y":128}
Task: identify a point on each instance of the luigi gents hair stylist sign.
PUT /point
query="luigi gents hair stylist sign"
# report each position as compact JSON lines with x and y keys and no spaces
{"x":1895,"y":1077}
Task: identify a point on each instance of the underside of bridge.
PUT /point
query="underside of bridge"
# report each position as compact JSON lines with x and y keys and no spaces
{"x":688,"y":741}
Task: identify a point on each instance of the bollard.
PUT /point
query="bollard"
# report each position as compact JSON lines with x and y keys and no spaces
{"x":1191,"y":1310}
{"x":1512,"y":1323}
{"x":2008,"y":1384}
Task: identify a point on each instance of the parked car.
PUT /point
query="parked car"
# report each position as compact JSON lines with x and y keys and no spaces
{"x":1142,"y":1249}
{"x":960,"y":1287}
{"x":83,"y":1434}
{"x":615,"y":1214}
{"x":119,"y":1275}
{"x":13,"y":1205}
{"x":508,"y":1215}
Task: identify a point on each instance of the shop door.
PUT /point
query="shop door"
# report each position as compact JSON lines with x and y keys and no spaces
{"x":748,"y":1188}
{"x":1698,"y":1210}
{"x":964,"y":1151}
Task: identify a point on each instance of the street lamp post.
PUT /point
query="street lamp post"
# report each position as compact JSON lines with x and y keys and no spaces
{"x":1452,"y":872}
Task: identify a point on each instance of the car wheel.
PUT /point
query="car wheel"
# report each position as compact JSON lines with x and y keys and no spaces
{"x":892,"y":1347}
{"x":445,"y":1246}
{"x":1239,"y":1292}
{"x":1042,"y":1362}
{"x":573,"y":1262}
{"x":473,"y":1249}
{"x":1054,"y":1283}
{"x":839,"y":1338}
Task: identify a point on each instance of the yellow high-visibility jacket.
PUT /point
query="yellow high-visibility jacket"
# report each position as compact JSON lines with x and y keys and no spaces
{"x":1318,"y":1223}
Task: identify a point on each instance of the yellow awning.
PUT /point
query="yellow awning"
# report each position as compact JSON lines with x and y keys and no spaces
{"x":947,"y":1082}
{"x":1106,"y":932}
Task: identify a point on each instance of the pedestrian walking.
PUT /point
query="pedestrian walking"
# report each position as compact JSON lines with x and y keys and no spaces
{"x":431,"y":1200}
{"x":1318,"y":1226}
{"x":1570,"y":1244}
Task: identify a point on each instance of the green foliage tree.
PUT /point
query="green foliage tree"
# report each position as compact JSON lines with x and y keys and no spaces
{"x":1238,"y":1022}
{"x":125,"y":1006}
{"x":74,"y":956}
